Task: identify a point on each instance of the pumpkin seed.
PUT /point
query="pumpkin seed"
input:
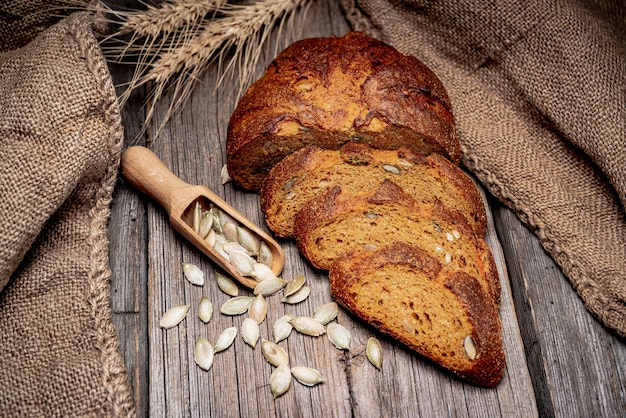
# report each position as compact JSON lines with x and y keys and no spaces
{"x":307,"y":375}
{"x":274,"y":354}
{"x":326,"y":312}
{"x":294,"y":285}
{"x":289,"y":183}
{"x":197,"y":216}
{"x":203,"y":353}
{"x":211,"y":238}
{"x":205,"y":309}
{"x":262,"y":272}
{"x":280,"y":380}
{"x":236,"y":305}
{"x":308,"y":326}
{"x":225,"y":339}
{"x":206,"y":224}
{"x":248,"y":240}
{"x":250,"y":331}
{"x":269,"y":286}
{"x":230,"y":231}
{"x":174,"y":316}
{"x":226,"y":178}
{"x":226,"y":284}
{"x":282,"y":328}
{"x":258,"y":308}
{"x":298,"y":297}
{"x":338,"y":335}
{"x":265,"y":254}
{"x":391,"y":168}
{"x":193,"y":274}
{"x":225,"y":217}
{"x":241,"y":262}
{"x":374,"y":352}
{"x":470,"y":347}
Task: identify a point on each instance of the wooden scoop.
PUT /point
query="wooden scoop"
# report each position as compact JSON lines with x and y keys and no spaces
{"x":147,"y":173}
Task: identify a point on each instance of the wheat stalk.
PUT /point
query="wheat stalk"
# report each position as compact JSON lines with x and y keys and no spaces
{"x":173,"y":44}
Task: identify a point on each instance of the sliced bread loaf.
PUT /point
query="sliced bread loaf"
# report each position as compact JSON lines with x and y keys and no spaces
{"x":328,"y":91}
{"x":337,"y":222}
{"x":358,"y":168}
{"x":404,"y":292}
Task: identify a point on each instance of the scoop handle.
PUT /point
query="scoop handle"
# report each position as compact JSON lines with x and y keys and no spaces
{"x":143,"y":169}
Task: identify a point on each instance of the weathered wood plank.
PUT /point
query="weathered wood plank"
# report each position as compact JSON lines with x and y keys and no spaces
{"x":577,"y":366}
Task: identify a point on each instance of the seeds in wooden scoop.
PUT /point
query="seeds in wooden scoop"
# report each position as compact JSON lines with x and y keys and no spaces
{"x":326,"y":312}
{"x":294,"y":285}
{"x":297,"y":297}
{"x":226,"y":284}
{"x":280,"y":381}
{"x":274,"y":354}
{"x":262,"y":272}
{"x":338,"y":335}
{"x":205,"y":309}
{"x":197,"y":217}
{"x":250,"y":332}
{"x":174,"y":316}
{"x":225,"y":339}
{"x":241,"y":262}
{"x":236,"y":305}
{"x":374,"y":352}
{"x":308,"y":326}
{"x":265,"y":254}
{"x":206,"y":224}
{"x":249,"y":240}
{"x":193,"y":274}
{"x":282,"y":328}
{"x":269,"y":286}
{"x":230,"y":231}
{"x":307,"y":375}
{"x":203,"y":353}
{"x":258,"y":308}
{"x":470,"y":347}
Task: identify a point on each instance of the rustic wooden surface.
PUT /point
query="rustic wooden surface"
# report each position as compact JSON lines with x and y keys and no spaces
{"x":560,"y":361}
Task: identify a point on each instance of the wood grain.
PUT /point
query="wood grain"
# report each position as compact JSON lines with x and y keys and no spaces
{"x":560,"y":361}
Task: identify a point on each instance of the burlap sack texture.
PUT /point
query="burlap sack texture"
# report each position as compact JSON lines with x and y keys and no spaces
{"x":538,"y":90}
{"x":60,"y":142}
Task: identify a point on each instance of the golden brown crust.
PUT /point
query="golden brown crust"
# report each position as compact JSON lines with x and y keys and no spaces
{"x":357,"y":167}
{"x":328,"y":91}
{"x":336,"y":222}
{"x":396,"y":287}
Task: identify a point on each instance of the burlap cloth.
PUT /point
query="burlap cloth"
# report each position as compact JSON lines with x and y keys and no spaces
{"x":538,"y":90}
{"x":60,"y":140}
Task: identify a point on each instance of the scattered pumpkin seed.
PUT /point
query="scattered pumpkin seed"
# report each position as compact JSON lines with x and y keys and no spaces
{"x":193,"y":273}
{"x":226,"y":284}
{"x":203,"y":353}
{"x":262,"y":272}
{"x":173,"y":316}
{"x":249,"y":240}
{"x":265,"y":254}
{"x":250,"y":332}
{"x":470,"y":347}
{"x":308,"y":326}
{"x":258,"y":308}
{"x":280,"y":380}
{"x":326,"y":312}
{"x":294,"y":285}
{"x":307,"y":375}
{"x":374,"y":352}
{"x":282,"y":328}
{"x":226,"y":178}
{"x":205,"y":309}
{"x":338,"y":335}
{"x":274,"y":354}
{"x":225,"y":339}
{"x":236,"y":305}
{"x":298,"y":297}
{"x":269,"y":286}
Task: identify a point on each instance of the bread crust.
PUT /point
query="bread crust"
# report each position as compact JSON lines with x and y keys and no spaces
{"x":353,"y":271}
{"x":328,"y":91}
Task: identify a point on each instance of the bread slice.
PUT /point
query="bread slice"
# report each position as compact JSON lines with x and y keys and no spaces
{"x":337,"y":222}
{"x":328,"y":91}
{"x":405,"y":293}
{"x":358,"y":168}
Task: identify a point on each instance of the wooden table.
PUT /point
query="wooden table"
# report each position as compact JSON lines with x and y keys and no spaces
{"x":560,"y":361}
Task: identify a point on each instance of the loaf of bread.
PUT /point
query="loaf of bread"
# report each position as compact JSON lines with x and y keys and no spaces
{"x":328,"y":91}
{"x":358,"y":168}
{"x":404,"y":292}
{"x":337,"y":222}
